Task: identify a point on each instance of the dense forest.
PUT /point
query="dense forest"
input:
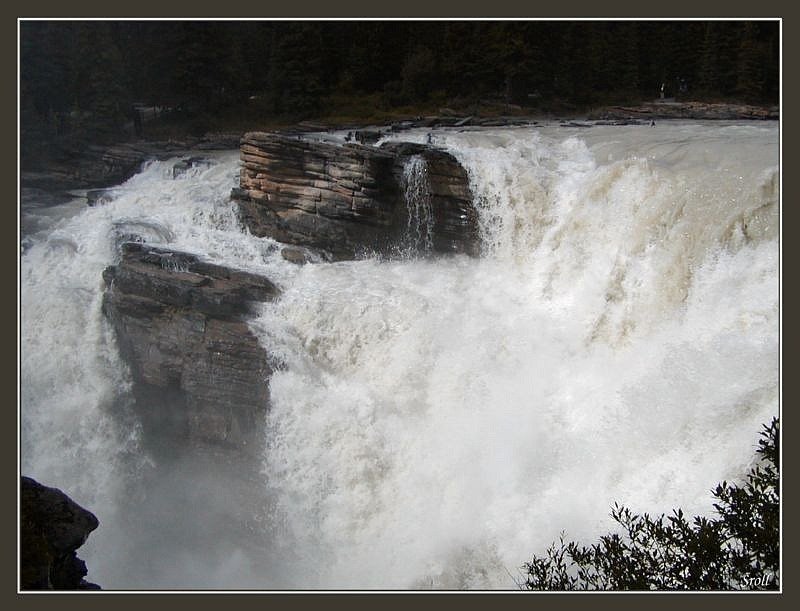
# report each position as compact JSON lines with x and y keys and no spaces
{"x":86,"y":77}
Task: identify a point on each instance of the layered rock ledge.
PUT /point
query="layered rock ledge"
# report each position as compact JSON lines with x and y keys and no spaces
{"x":348,"y":200}
{"x":200,"y":375}
{"x":52,"y":528}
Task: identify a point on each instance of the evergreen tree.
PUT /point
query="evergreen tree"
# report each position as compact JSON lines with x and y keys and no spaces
{"x":81,"y":77}
{"x":45,"y":55}
{"x":719,"y":64}
{"x":750,"y":81}
{"x":462,"y":63}
{"x":376,"y":54}
{"x":203,"y":73}
{"x":573,"y":83}
{"x":770,"y":37}
{"x":99,"y":79}
{"x":419,"y":74}
{"x":710,"y":80}
{"x":295,"y":69}
{"x":508,"y":51}
{"x":626,"y":55}
{"x":542,"y":50}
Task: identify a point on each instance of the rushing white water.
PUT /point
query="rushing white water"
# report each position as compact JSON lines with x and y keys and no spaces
{"x":419,"y":229}
{"x":437,"y":421}
{"x":77,"y":429}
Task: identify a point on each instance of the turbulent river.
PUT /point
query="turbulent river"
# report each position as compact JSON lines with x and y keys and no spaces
{"x":435,"y":421}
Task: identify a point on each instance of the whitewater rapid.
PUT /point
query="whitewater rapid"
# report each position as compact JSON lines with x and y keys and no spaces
{"x":436,"y":421}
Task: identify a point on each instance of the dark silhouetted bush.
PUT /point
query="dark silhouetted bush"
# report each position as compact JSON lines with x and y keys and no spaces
{"x":739,"y":550}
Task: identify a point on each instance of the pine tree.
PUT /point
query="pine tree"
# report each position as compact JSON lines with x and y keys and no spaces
{"x":295,"y":70}
{"x":626,"y":54}
{"x":99,"y":79}
{"x":750,"y":81}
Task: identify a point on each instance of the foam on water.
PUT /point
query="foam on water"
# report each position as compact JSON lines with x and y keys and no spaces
{"x":437,"y":422}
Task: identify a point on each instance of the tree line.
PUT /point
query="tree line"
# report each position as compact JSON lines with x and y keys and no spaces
{"x":96,"y":71}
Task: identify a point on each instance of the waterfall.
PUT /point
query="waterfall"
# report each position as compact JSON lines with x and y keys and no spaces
{"x":419,"y":229}
{"x":435,"y":421}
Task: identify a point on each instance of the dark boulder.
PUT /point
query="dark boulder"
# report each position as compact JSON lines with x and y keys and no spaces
{"x":97,"y":197}
{"x":52,"y":528}
{"x":368,"y":136}
{"x":187,"y":163}
{"x":300,"y":256}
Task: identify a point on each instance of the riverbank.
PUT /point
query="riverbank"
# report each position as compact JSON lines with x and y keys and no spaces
{"x":670,"y":109}
{"x":502,"y":115}
{"x":507,"y":115}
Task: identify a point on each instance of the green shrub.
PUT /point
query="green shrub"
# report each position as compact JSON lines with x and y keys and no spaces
{"x":739,"y":550}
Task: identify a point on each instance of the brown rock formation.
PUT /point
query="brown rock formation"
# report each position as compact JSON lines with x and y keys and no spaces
{"x":200,"y":375}
{"x":348,"y":200}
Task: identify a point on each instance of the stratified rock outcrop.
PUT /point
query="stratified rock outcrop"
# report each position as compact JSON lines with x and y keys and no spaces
{"x":348,"y":200}
{"x":200,"y":375}
{"x":52,"y":527}
{"x":338,"y":199}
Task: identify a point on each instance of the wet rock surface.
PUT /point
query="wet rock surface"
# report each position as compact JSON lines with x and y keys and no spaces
{"x":348,"y":200}
{"x":454,"y":221}
{"x":200,"y":375}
